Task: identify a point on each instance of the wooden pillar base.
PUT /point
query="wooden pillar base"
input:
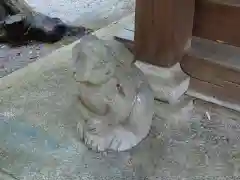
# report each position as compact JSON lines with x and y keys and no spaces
{"x":163,"y":30}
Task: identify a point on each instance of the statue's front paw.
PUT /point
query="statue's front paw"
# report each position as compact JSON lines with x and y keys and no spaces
{"x":96,"y":126}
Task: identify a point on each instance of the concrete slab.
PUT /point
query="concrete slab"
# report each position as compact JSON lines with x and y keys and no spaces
{"x":39,"y":135}
{"x":91,"y":13}
{"x":39,"y":138}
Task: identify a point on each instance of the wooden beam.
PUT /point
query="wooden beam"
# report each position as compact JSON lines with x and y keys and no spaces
{"x":214,"y":69}
{"x":218,"y":20}
{"x":163,"y":30}
{"x":229,"y":95}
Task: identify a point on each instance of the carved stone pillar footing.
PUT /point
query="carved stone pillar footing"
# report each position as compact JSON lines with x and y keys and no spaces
{"x":175,"y":114}
{"x":169,"y":86}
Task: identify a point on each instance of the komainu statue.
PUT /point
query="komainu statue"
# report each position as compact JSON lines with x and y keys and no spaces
{"x":115,"y":99}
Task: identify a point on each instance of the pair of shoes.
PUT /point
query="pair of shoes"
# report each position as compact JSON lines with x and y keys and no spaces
{"x":35,"y":27}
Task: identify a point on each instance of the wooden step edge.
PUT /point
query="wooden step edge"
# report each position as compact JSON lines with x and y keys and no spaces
{"x":214,"y":69}
{"x":224,"y":54}
{"x":213,"y":94}
{"x":213,"y":62}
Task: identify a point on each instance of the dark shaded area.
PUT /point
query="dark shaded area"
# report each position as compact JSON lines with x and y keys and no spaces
{"x":21,"y":28}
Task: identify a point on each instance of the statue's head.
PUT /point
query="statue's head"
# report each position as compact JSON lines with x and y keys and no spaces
{"x":93,"y":61}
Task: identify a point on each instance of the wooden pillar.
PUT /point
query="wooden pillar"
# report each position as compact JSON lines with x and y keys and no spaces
{"x":163,"y":30}
{"x":218,"y":20}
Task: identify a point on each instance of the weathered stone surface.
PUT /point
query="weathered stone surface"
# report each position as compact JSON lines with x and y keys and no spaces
{"x":42,"y":94}
{"x":175,"y":113}
{"x":168,"y":84}
{"x":115,"y":99}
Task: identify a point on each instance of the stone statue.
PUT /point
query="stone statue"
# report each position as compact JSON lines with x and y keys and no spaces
{"x":115,"y":99}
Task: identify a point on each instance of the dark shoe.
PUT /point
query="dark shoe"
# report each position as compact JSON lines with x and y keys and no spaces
{"x":14,"y":27}
{"x":45,"y":29}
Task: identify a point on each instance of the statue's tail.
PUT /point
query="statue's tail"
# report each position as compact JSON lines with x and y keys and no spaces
{"x":140,"y":119}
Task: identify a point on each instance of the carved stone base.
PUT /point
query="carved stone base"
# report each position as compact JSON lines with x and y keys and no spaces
{"x":168,"y":84}
{"x":175,"y":113}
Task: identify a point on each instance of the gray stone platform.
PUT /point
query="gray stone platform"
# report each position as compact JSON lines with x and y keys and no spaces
{"x":39,"y":136}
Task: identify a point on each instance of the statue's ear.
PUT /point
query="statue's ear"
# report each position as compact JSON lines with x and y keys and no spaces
{"x":79,"y":48}
{"x":78,"y":55}
{"x":75,"y":52}
{"x":75,"y":55}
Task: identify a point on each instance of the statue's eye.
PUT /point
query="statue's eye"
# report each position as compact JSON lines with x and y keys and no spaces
{"x":120,"y":89}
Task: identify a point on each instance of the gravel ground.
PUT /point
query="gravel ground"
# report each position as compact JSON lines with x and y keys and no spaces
{"x":14,"y":58}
